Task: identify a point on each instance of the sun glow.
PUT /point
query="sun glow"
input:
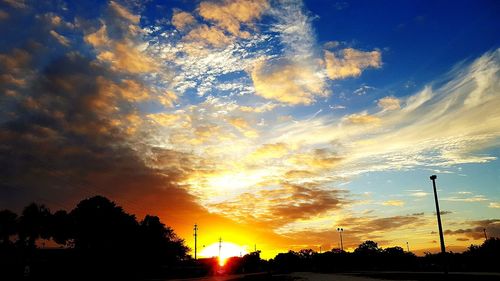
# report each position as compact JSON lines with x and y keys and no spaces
{"x":226,"y":250}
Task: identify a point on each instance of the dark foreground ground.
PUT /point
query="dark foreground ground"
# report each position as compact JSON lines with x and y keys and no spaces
{"x":356,"y":276}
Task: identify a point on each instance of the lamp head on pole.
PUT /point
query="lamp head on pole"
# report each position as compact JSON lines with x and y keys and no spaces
{"x":433,"y":177}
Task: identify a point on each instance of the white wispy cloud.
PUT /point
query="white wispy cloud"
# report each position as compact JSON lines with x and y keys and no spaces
{"x":294,"y":29}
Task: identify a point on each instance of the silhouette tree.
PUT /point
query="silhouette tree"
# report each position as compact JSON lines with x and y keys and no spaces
{"x":394,"y":251}
{"x":8,"y":226}
{"x":306,"y":253}
{"x":33,"y":224}
{"x":100,"y":224}
{"x":61,"y":227}
{"x":367,"y":248}
{"x":159,"y":243}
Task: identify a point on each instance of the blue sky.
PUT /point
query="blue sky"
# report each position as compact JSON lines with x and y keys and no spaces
{"x":283,"y":119}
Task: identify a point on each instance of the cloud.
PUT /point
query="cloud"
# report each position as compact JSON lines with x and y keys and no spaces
{"x":60,"y":38}
{"x":123,"y":12}
{"x":350,"y":63}
{"x":419,"y":194}
{"x":230,"y":15}
{"x":362,"y":118}
{"x":271,"y":150}
{"x":491,"y":226}
{"x":3,"y":15}
{"x":294,"y":28}
{"x":331,"y":44}
{"x":318,"y":158}
{"x":287,"y":82}
{"x":356,"y":230}
{"x":394,"y":203}
{"x":16,"y":60}
{"x":475,"y":198}
{"x":494,"y":205}
{"x":243,"y":126}
{"x":204,"y":35}
{"x":118,"y":43}
{"x":283,"y":205}
{"x":389,"y":103}
{"x":18,"y":4}
{"x":434,"y":127}
{"x":181,"y":19}
{"x":125,"y":56}
{"x":98,"y":38}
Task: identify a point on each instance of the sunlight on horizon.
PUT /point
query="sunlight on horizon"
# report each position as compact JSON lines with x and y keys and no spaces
{"x":227,"y":250}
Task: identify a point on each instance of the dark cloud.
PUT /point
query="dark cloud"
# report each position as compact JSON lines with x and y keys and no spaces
{"x":68,"y":131}
{"x":288,"y":203}
{"x":359,"y":229}
{"x":492,"y":227}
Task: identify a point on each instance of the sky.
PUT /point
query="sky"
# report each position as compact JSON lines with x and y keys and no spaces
{"x":269,"y":124}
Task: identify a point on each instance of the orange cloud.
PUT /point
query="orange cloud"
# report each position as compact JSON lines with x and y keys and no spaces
{"x":270,"y":150}
{"x":362,"y":118}
{"x":168,"y":98}
{"x":287,"y":82}
{"x":182,"y":20}
{"x":230,"y":14}
{"x":319,"y":158}
{"x":125,"y":56}
{"x":394,"y":203}
{"x":243,"y":126}
{"x":389,"y":103}
{"x":99,"y":38}
{"x":351,"y":63}
{"x":166,"y":119}
{"x":123,"y":12}
{"x":204,"y":35}
{"x":15,"y":60}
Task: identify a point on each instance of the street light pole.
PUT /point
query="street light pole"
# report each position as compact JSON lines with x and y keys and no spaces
{"x":195,"y":239}
{"x":438,"y":214}
{"x":340,"y":230}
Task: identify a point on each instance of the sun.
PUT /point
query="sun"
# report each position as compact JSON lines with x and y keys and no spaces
{"x":227,"y":250}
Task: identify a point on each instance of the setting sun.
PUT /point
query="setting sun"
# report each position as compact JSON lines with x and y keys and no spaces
{"x":227,"y":250}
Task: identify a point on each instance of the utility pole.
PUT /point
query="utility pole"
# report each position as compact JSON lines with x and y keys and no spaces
{"x":340,"y":230}
{"x":407,"y":247}
{"x":438,"y":214}
{"x":320,"y":249}
{"x":195,"y":239}
{"x":485,"y":236}
{"x":220,"y":246}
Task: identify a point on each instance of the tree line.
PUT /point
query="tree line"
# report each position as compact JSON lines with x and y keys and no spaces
{"x":97,"y":238}
{"x":369,"y":256}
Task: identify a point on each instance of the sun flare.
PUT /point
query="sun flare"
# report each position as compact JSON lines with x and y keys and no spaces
{"x":223,"y":251}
